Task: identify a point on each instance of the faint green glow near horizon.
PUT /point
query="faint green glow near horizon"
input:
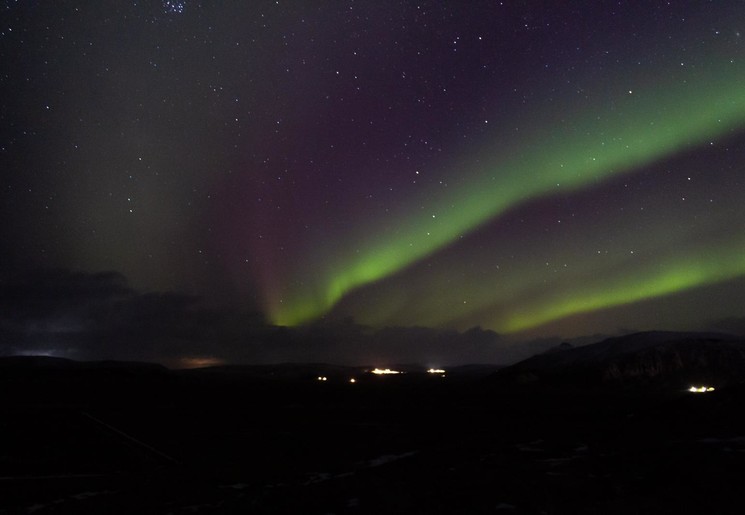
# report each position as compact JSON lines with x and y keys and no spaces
{"x":597,"y":143}
{"x":665,"y":278}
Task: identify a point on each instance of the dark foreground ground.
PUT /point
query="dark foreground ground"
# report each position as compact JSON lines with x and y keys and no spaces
{"x":121,"y":441}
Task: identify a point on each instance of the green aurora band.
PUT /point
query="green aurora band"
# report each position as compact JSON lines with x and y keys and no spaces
{"x":673,"y":276}
{"x":619,"y":132}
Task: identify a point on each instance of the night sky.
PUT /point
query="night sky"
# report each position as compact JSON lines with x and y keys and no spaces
{"x":535,"y":168}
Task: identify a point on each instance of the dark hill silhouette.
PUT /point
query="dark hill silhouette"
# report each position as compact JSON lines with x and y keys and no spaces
{"x":121,"y":438}
{"x":667,"y":359}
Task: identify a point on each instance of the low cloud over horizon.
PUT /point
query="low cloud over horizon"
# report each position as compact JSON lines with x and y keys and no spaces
{"x":100,"y":316}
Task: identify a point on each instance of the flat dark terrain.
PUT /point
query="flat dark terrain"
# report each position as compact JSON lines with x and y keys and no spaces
{"x":126,"y":439}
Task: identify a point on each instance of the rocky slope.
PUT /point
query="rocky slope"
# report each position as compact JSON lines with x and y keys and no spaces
{"x":653,"y":358}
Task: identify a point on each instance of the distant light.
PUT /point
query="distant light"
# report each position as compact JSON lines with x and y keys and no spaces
{"x":701,"y":389}
{"x":435,"y":371}
{"x":199,"y":362}
{"x":385,"y":371}
{"x":322,"y":378}
{"x":353,"y":380}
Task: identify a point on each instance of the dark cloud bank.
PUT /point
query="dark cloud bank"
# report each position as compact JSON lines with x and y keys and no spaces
{"x":99,"y":316}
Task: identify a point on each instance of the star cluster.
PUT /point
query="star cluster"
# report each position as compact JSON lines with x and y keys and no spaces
{"x":532,"y":169}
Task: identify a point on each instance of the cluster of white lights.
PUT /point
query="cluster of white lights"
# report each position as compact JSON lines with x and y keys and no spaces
{"x":388,"y":371}
{"x":384,"y":371}
{"x":701,"y":389}
{"x":324,"y":378}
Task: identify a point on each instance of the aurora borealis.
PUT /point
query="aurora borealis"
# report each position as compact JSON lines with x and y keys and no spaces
{"x":532,"y":168}
{"x":667,"y":122}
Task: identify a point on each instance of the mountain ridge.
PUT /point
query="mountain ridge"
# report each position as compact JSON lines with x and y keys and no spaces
{"x":654,"y":358}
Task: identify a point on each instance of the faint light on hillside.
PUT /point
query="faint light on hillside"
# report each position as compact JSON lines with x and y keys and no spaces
{"x":701,"y":389}
{"x":434,"y":371}
{"x":385,"y":371}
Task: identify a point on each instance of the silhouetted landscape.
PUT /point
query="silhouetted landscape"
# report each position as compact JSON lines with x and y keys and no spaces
{"x":609,"y":427}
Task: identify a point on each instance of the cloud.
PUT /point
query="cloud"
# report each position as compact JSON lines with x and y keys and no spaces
{"x":99,"y":316}
{"x":91,"y":316}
